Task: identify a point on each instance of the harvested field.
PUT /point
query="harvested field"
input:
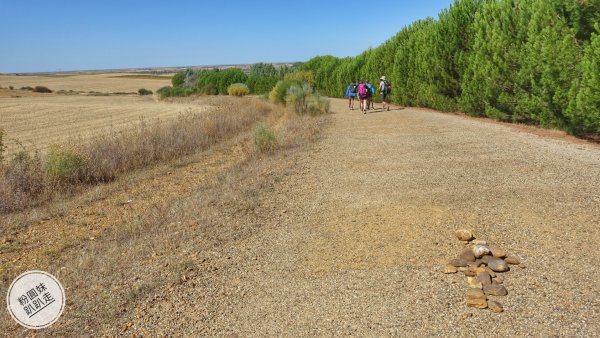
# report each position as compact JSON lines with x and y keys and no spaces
{"x":40,"y":120}
{"x":110,"y":82}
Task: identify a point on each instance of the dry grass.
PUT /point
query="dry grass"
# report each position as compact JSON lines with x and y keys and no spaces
{"x":28,"y":180}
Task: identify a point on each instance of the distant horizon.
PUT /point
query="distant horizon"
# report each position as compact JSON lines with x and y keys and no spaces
{"x":150,"y":68}
{"x":65,"y":36}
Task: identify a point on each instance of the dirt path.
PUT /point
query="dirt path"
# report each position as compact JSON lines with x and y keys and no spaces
{"x":350,"y":237}
{"x":353,"y":241}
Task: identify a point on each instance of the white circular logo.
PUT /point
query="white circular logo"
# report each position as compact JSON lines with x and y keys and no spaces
{"x":35,"y":299}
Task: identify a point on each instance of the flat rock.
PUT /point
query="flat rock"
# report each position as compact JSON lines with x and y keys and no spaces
{"x":474,"y":283}
{"x":495,"y":306}
{"x":495,"y":290}
{"x":450,"y":269}
{"x":458,"y":262}
{"x":472,"y":266}
{"x":481,"y":269}
{"x":498,"y":265}
{"x":497,"y":251}
{"x":464,"y":234}
{"x":512,"y":260}
{"x":491,"y":272}
{"x":477,"y":303}
{"x":484,"y":278}
{"x":467,"y":256}
{"x":486,"y":259}
{"x":469,"y":273}
{"x":476,"y":294}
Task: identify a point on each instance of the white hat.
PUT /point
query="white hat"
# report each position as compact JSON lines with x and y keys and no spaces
{"x":382,"y":78}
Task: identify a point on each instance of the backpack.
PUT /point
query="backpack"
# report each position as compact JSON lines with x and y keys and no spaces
{"x":387,"y":87}
{"x":362,"y":90}
{"x":372,"y":89}
{"x":353,"y":88}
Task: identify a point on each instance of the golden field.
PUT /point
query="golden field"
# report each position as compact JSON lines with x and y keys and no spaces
{"x":109,"y":82}
{"x":38,"y":120}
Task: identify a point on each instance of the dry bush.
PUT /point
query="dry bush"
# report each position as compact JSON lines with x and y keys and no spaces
{"x":264,"y":138}
{"x":22,"y":182}
{"x":2,"y":147}
{"x":238,"y":89}
{"x":42,"y":89}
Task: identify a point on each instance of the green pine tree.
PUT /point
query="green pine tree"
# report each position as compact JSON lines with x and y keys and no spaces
{"x":584,"y":110}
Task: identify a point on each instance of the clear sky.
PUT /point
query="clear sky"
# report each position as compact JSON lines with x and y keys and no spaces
{"x":55,"y":35}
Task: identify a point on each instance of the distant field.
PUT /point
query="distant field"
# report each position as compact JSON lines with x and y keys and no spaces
{"x":38,"y":120}
{"x":112,"y":82}
{"x":143,"y":76}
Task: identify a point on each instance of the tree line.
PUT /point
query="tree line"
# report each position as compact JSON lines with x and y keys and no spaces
{"x":527,"y":61}
{"x":260,"y":79}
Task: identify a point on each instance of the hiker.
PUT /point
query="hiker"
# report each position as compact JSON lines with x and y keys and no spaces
{"x":384,"y":90}
{"x":370,"y":94}
{"x":351,"y":93}
{"x":362,"y":95}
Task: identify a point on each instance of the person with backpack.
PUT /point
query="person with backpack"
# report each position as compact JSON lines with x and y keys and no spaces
{"x":351,"y":93}
{"x":370,"y":94}
{"x":362,"y":95}
{"x":385,"y":88}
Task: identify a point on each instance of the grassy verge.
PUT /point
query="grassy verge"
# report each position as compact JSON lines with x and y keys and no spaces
{"x":27,"y":179}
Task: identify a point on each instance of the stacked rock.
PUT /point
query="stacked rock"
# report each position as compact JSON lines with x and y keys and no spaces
{"x":482,"y":264}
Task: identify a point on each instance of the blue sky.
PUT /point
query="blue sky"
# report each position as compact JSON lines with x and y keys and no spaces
{"x":65,"y":35}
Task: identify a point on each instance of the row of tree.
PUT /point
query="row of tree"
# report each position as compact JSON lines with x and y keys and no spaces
{"x":260,"y":79}
{"x":531,"y":61}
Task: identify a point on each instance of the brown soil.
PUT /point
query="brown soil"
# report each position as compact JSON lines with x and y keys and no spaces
{"x":347,"y":236}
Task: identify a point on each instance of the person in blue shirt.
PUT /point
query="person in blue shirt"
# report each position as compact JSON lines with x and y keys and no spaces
{"x":351,"y":93}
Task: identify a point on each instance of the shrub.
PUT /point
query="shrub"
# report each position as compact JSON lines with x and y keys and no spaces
{"x":209,"y":89}
{"x":11,"y":87}
{"x":23,"y":181}
{"x":238,"y":89}
{"x":178,"y":79}
{"x":2,"y":146}
{"x":264,"y":138}
{"x":27,"y":88}
{"x":296,"y":97}
{"x":144,"y":91}
{"x":279,"y":92}
{"x":165,"y":91}
{"x":42,"y":89}
{"x":64,"y":164}
{"x":302,"y":76}
{"x":317,"y":105}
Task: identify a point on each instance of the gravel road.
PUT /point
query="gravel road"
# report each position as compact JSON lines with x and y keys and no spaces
{"x":354,"y":238}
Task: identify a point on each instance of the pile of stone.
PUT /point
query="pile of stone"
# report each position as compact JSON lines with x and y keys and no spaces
{"x":483,"y":266}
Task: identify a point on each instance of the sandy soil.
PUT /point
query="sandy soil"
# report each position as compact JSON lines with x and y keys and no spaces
{"x":350,"y":236}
